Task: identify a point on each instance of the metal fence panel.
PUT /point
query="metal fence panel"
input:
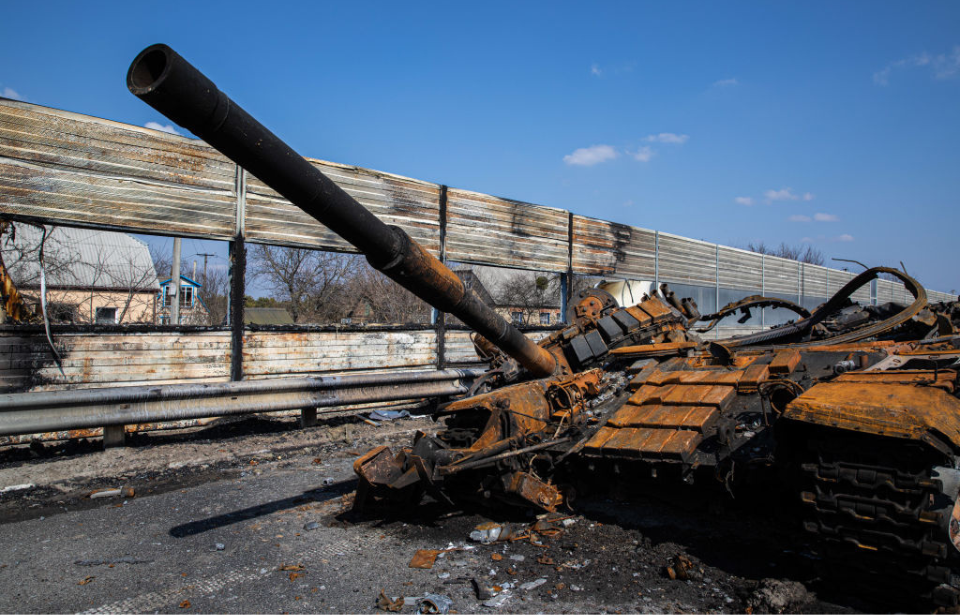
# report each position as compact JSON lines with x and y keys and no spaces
{"x":113,"y":359}
{"x":488,"y":230}
{"x":815,"y":280}
{"x":740,"y":269}
{"x":607,"y":249}
{"x":687,"y":261}
{"x":411,"y":204}
{"x":74,"y":169}
{"x":837,"y":280}
{"x":286,"y":353}
{"x":780,"y":276}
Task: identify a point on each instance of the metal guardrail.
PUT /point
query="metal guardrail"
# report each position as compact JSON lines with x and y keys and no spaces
{"x":40,"y":412}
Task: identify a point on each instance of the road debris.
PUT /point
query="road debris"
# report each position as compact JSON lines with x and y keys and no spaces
{"x":480,"y":590}
{"x":388,"y":415}
{"x":683,"y":569}
{"x":532,"y":584}
{"x":290,"y":567}
{"x":392,"y":605}
{"x":777,"y":596}
{"x":19,"y":487}
{"x":424,"y":558}
{"x":86,"y":580}
{"x":432,"y":604}
{"x":126,"y":492}
{"x":498,"y":601}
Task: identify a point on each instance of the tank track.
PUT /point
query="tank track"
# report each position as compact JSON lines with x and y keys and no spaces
{"x":879,"y":514}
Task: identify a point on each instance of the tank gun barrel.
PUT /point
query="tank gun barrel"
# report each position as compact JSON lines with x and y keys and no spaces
{"x":163,"y":79}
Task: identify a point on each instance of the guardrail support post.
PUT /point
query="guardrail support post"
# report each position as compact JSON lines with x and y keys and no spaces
{"x":114,"y":436}
{"x":439,"y":318}
{"x":238,"y":272}
{"x":308,"y":417}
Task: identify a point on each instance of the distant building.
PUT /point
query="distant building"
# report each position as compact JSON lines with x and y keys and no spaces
{"x":361,"y":313}
{"x":192,"y":309}
{"x":523,"y":297}
{"x":91,"y":276}
{"x":266,"y":316}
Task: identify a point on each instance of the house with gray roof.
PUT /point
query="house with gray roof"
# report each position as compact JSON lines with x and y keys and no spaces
{"x":524,"y":297}
{"x":91,"y":276}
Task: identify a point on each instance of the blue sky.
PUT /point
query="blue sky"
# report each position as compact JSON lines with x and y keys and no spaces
{"x":836,"y":124}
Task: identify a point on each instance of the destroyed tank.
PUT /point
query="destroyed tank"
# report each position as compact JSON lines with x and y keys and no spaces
{"x":850,"y":411}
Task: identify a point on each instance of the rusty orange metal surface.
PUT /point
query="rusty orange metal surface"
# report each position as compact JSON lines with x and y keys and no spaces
{"x":664,"y":349}
{"x":784,"y":362}
{"x":708,"y":377}
{"x":595,"y":444}
{"x":943,"y":379}
{"x":699,"y":395}
{"x":654,"y":444}
{"x":894,"y":410}
{"x":753,"y":376}
{"x":535,"y":491}
{"x":649,"y":394}
{"x":656,"y":308}
{"x":645,"y":319}
{"x":696,"y":418}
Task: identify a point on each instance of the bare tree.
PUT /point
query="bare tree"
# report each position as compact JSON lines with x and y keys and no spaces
{"x":803,"y":254}
{"x":124,"y":279}
{"x":86,"y":271}
{"x":310,"y":283}
{"x":529,"y":292}
{"x":385,"y":300}
{"x":162,"y":261}
{"x":214,"y":291}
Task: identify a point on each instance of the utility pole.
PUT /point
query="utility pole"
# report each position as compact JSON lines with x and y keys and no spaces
{"x":175,"y":280}
{"x":205,"y":255}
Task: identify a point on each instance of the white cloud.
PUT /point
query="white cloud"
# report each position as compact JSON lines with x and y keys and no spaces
{"x":11,"y":93}
{"x":845,"y":237}
{"x":628,"y":203}
{"x":947,"y":66}
{"x":943,"y":66}
{"x":724,"y":83}
{"x":744,"y":200}
{"x":589,"y":156}
{"x":667,"y":137}
{"x":799,"y":218}
{"x":806,"y":240}
{"x":644,"y":154}
{"x":786,"y":194}
{"x":161,"y":127}
{"x":595,"y":70}
{"x":825,"y":217}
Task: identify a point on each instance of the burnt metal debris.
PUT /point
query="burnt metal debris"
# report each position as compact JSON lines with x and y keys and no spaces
{"x":850,"y":411}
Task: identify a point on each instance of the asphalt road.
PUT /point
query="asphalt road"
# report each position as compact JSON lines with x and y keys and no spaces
{"x":267,"y":529}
